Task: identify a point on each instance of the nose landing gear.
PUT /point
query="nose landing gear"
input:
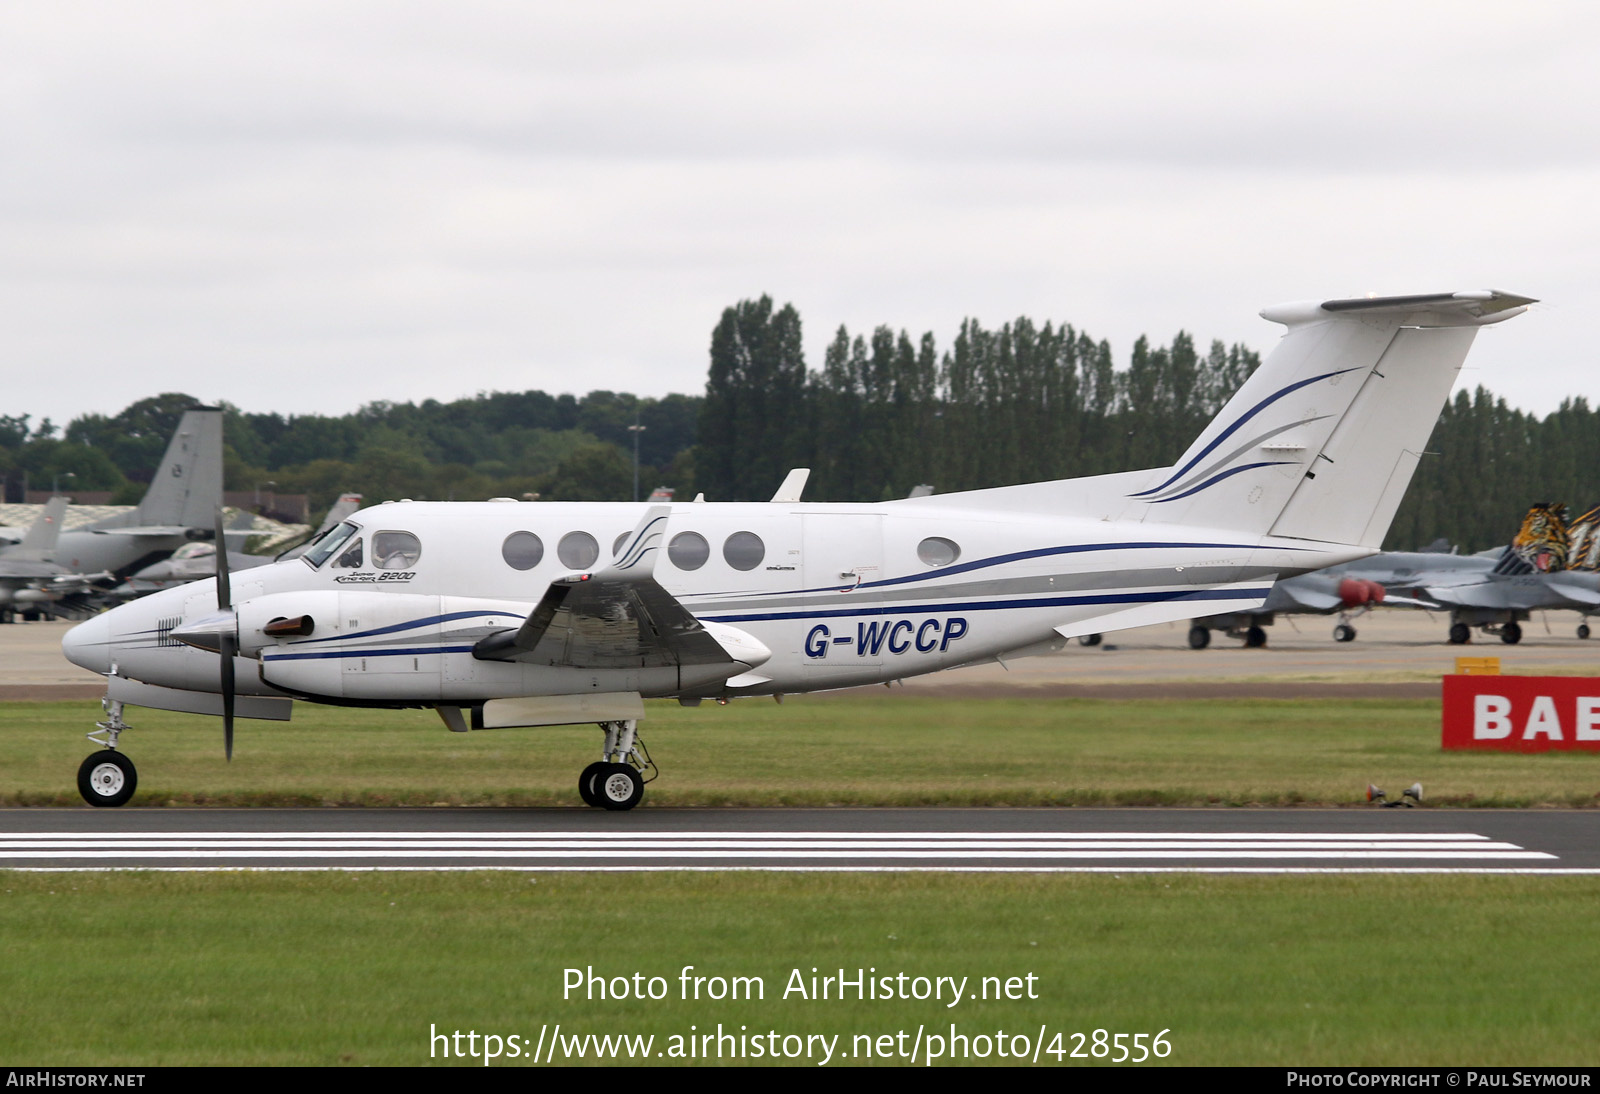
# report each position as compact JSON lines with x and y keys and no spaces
{"x":108,"y":777}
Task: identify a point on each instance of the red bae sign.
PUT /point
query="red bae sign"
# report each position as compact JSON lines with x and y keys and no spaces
{"x":1522,"y":713}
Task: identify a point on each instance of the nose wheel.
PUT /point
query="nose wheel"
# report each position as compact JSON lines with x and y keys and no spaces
{"x":107,"y":778}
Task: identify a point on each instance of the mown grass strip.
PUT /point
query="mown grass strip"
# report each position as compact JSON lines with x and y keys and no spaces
{"x":296,"y":968}
{"x":887,"y":750}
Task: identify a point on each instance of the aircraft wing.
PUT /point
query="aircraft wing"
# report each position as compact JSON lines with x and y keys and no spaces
{"x":1302,"y":594}
{"x":142,"y":530}
{"x":618,"y":617}
{"x":1579,"y":586}
{"x":1483,"y":594}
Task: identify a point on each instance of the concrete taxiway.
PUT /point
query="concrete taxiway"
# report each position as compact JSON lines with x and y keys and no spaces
{"x":1089,"y":840}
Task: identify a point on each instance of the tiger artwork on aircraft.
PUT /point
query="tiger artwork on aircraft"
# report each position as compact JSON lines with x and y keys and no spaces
{"x":1542,"y":541}
{"x":1583,"y":545}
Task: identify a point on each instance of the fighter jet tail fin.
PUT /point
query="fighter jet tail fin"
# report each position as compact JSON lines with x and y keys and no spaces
{"x":187,"y":488}
{"x":39,"y":545}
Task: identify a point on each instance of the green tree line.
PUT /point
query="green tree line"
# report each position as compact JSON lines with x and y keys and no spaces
{"x":882,"y":414}
{"x":561,"y":447}
{"x":1029,"y":402}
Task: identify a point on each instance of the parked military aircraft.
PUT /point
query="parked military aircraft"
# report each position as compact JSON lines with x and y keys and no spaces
{"x":501,"y":614}
{"x":1494,"y":590}
{"x":31,"y":583}
{"x":176,"y":509}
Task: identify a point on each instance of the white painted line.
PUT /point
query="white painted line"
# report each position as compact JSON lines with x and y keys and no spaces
{"x":807,"y":845}
{"x":1197,"y":853}
{"x":1509,"y":871}
{"x":723,"y":834}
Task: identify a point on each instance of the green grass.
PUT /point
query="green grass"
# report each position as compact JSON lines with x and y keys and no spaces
{"x":351,"y":968}
{"x":889,"y":750}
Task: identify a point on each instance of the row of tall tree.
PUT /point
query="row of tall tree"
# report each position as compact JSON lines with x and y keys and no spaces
{"x":1028,"y":402}
{"x":495,"y":444}
{"x":881,"y":414}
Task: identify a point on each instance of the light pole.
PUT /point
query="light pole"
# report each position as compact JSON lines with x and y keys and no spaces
{"x":636,"y":429}
{"x":56,"y":477}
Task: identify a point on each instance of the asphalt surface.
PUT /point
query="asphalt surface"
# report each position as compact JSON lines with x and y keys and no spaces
{"x":1123,"y":840}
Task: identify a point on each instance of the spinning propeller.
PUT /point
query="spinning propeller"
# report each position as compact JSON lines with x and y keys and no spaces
{"x":227,"y":640}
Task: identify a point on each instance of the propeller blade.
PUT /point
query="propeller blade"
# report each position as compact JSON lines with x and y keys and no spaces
{"x":228,"y":642}
{"x":224,"y":592}
{"x":229,"y":646}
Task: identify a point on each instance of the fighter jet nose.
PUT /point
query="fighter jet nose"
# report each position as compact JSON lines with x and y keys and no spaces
{"x":88,"y":645}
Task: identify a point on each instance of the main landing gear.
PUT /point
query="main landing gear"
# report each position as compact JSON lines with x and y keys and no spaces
{"x":616,"y":781}
{"x":108,"y":777}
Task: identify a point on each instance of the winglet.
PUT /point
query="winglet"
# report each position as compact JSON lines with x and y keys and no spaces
{"x":636,"y":558}
{"x":793,"y":484}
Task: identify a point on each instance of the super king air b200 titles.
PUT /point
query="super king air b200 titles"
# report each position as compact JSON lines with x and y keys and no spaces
{"x":500,"y":614}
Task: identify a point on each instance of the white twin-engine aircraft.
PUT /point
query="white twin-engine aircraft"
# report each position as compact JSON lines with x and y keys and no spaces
{"x":495,"y":615}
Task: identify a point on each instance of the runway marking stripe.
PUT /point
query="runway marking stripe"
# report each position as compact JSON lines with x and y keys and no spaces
{"x":713,"y":834}
{"x":1516,"y":871}
{"x":774,"y":845}
{"x":674,"y":853}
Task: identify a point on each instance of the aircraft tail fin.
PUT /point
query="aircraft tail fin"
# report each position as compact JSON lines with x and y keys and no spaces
{"x":39,"y":545}
{"x":1321,"y":442}
{"x":187,"y":488}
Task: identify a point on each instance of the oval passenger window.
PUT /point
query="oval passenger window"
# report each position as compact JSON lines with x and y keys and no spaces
{"x":577,"y":550}
{"x":688,"y":550}
{"x":744,"y":550}
{"x":938,"y":551}
{"x":522,"y":550}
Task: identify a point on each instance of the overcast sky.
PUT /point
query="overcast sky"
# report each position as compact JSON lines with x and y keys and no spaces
{"x":305,"y":207}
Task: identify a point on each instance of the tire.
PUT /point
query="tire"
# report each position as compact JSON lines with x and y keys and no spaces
{"x":1511,"y":634}
{"x":1583,"y":630}
{"x":1199,"y":637}
{"x":1460,"y":634}
{"x":586,"y":789}
{"x":618,"y":787}
{"x":1255,"y":638}
{"x":1344,"y":632}
{"x":1089,"y":639}
{"x":107,"y":778}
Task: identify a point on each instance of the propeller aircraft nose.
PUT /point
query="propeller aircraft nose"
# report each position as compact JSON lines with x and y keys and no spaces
{"x":88,"y":645}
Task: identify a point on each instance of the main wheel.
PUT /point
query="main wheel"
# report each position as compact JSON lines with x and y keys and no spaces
{"x":619,"y":787}
{"x":1255,"y":638}
{"x":1583,"y":630}
{"x":1511,"y":634}
{"x":586,"y":789}
{"x":1344,"y":632}
{"x":1199,"y":637}
{"x":1459,"y":634}
{"x":107,"y":778}
{"x":1089,"y":639}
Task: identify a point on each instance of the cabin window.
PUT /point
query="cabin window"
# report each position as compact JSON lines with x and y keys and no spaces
{"x":522,"y":550}
{"x":324,"y":548}
{"x":395,"y":550}
{"x":578,"y":550}
{"x":743,"y":550}
{"x":617,"y":546}
{"x":938,"y":551}
{"x":688,"y":550}
{"x":351,"y":557}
